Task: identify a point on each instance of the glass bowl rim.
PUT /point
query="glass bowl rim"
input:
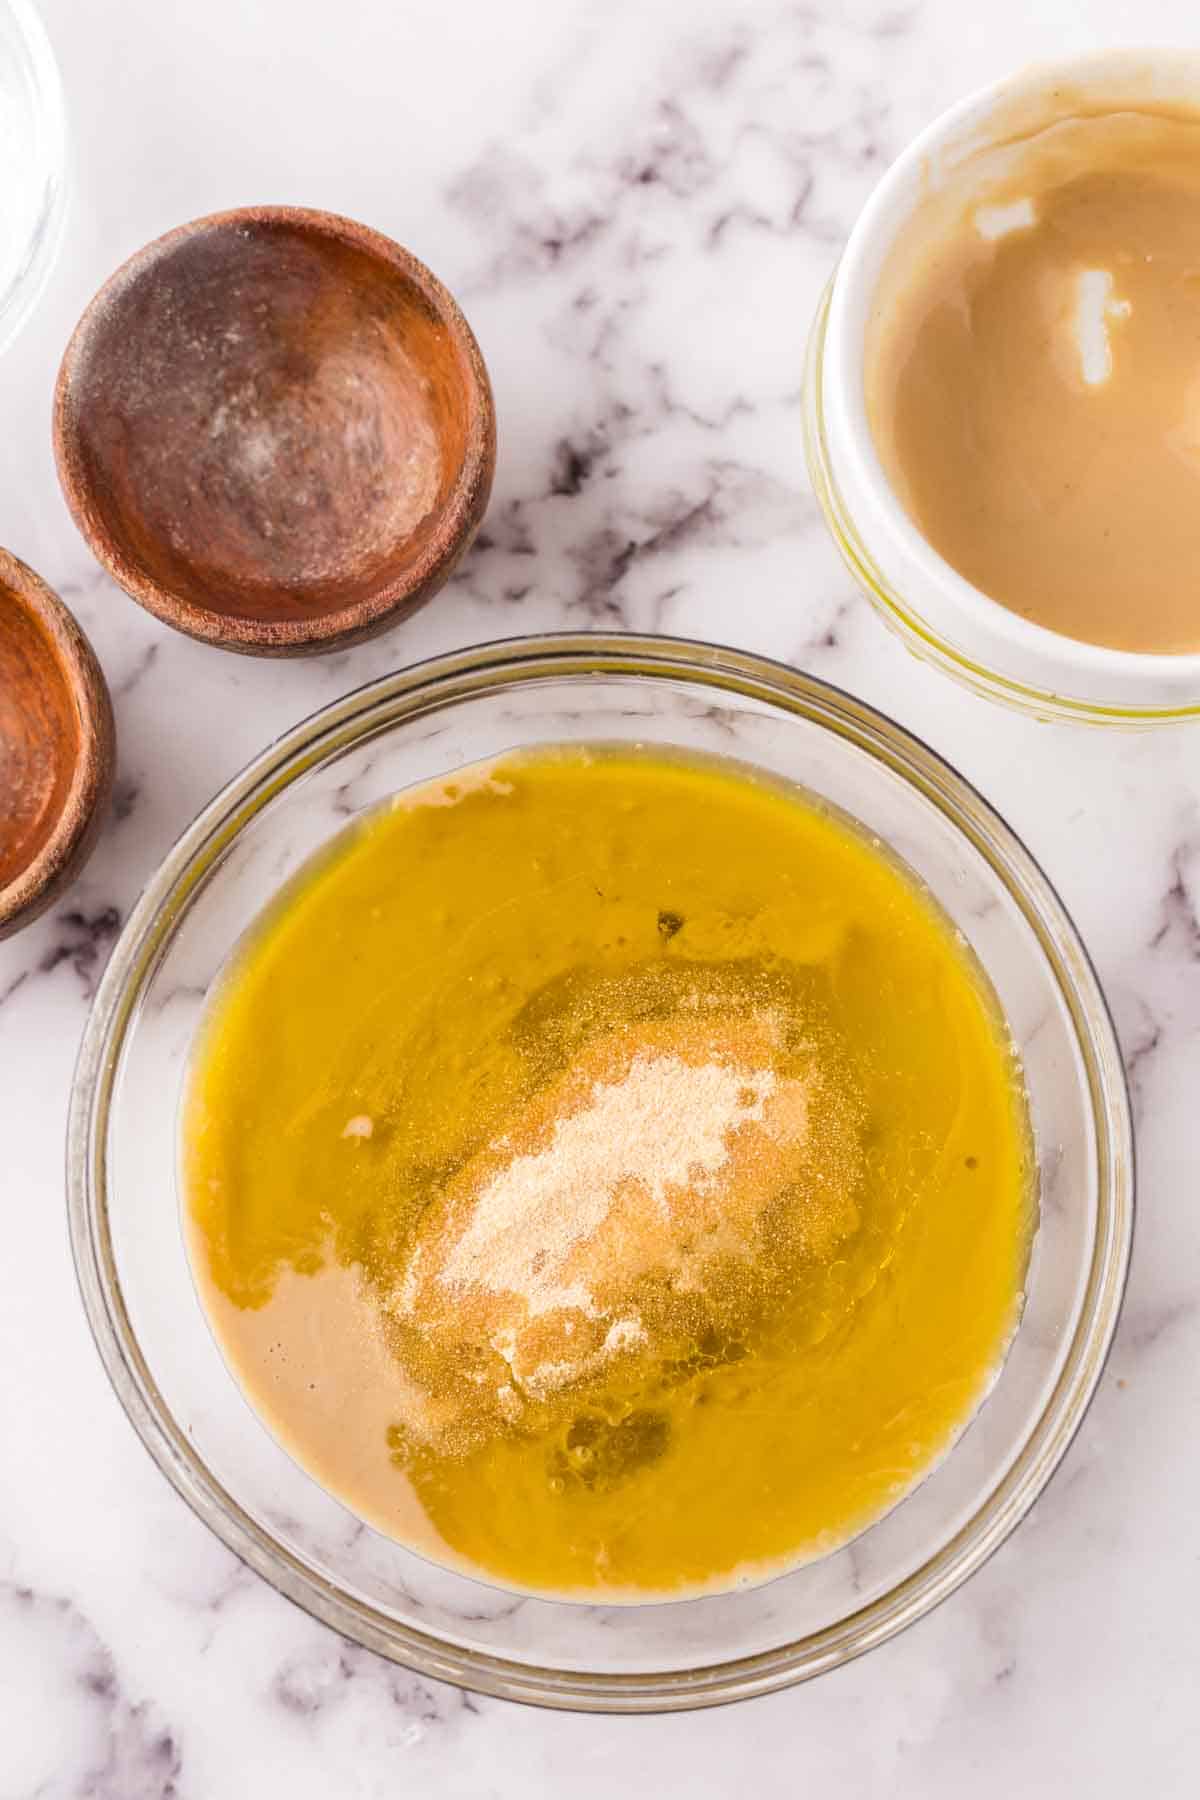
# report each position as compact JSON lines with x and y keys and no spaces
{"x":41,"y":248}
{"x":461,"y":675}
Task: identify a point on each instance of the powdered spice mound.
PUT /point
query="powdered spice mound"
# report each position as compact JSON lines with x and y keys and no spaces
{"x":648,"y":1196}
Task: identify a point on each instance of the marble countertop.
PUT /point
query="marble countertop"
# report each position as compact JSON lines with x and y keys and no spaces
{"x":637,"y":202}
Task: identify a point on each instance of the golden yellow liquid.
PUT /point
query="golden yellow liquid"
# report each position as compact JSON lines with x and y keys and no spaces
{"x":428,"y":979}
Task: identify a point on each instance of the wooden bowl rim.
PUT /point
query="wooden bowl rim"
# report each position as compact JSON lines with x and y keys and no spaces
{"x":455,"y":520}
{"x":34,"y":888}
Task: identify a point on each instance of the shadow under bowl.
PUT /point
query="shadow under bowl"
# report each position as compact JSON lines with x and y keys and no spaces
{"x":275,"y":429}
{"x":57,"y":746}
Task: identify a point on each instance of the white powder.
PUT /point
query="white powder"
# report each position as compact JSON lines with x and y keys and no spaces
{"x":665,"y":1125}
{"x":651,"y":1158}
{"x":622,"y":1334}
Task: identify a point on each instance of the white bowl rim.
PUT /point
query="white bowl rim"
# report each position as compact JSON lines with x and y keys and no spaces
{"x":843,"y":378}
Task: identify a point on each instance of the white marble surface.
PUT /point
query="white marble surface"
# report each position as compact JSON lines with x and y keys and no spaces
{"x":637,"y":202}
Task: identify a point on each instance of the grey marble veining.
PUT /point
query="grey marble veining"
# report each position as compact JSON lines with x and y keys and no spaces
{"x":638,"y":202}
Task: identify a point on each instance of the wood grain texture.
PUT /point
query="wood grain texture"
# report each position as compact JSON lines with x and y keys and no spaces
{"x":57,"y":746}
{"x":275,"y":429}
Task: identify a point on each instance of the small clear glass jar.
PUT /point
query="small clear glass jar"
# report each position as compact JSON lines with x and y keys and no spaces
{"x":165,"y":1364}
{"x":33,"y":155}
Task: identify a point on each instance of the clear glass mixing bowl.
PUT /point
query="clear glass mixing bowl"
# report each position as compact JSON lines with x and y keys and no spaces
{"x":166,"y":1367}
{"x":32,"y":163}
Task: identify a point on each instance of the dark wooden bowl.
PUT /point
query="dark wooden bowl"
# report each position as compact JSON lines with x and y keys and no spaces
{"x":57,"y":746}
{"x":275,"y":429}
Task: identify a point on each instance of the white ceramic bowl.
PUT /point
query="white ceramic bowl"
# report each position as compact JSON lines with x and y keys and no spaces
{"x":941,"y":615}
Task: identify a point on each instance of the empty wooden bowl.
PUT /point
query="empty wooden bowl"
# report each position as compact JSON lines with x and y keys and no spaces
{"x":274,"y":428}
{"x":56,"y":746}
